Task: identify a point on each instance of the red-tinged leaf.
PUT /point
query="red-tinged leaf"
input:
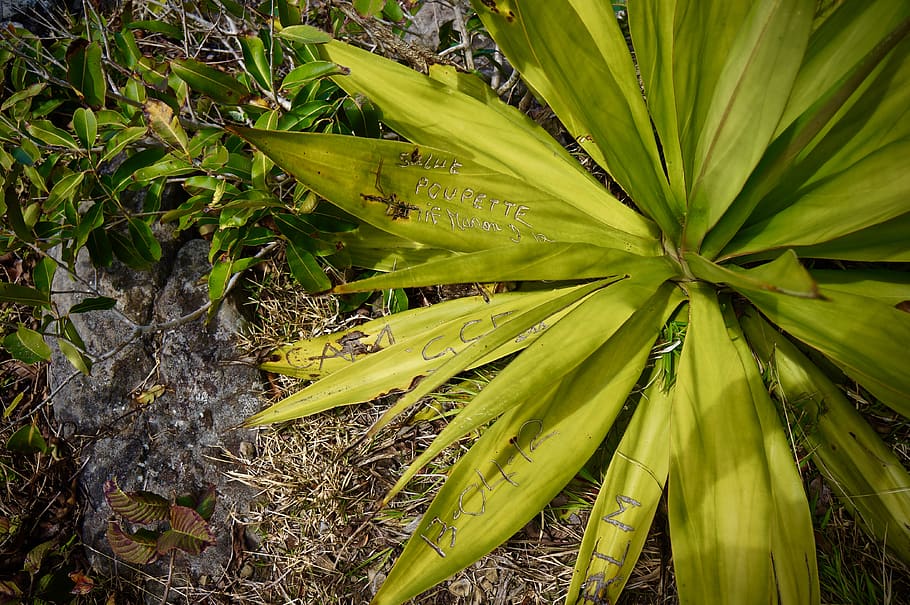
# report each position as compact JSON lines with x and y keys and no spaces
{"x":35,"y":556}
{"x":9,"y":588}
{"x":82,"y":584}
{"x":189,"y":532}
{"x":202,"y":502}
{"x":138,"y":506}
{"x":138,"y":548}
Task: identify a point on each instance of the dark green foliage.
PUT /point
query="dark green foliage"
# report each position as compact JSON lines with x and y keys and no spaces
{"x":92,"y":135}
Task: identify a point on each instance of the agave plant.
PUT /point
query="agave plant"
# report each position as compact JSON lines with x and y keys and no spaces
{"x":763,"y":147}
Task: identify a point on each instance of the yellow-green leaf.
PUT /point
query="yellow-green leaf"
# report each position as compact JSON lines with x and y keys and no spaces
{"x":428,"y":110}
{"x":719,"y":489}
{"x":746,"y":106}
{"x":161,"y":120}
{"x":47,"y":133}
{"x":372,"y":375}
{"x":540,"y":39}
{"x":430,"y":195}
{"x":85,"y":124}
{"x":631,"y":491}
{"x":525,"y":458}
{"x":546,"y":261}
{"x":27,"y":345}
{"x":220,"y":86}
{"x":792,"y":534}
{"x":861,"y":469}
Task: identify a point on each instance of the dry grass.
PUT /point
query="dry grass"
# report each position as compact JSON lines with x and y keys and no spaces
{"x":320,"y":538}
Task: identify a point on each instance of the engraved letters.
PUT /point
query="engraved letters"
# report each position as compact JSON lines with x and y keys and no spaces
{"x":474,"y":499}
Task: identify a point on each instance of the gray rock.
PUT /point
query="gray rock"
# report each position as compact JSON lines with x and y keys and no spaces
{"x":170,"y":445}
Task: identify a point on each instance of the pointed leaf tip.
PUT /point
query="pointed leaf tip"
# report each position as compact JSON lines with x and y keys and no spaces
{"x":136,"y":507}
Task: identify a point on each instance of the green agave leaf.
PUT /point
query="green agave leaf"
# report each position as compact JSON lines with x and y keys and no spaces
{"x":847,"y":36}
{"x":652,"y":25}
{"x":138,"y":506}
{"x":545,"y":262}
{"x":857,"y":118}
{"x":828,"y":211}
{"x":889,"y":287}
{"x":536,"y":319}
{"x":885,"y":242}
{"x":792,"y":534}
{"x":719,"y":490}
{"x":189,"y":532}
{"x":577,"y":337}
{"x":704,"y":35}
{"x":429,"y":110}
{"x":784,"y":275}
{"x":622,"y":514}
{"x":425,"y":194}
{"x":858,"y":465}
{"x":540,"y":39}
{"x":372,"y":248}
{"x":865,"y":337}
{"x":525,"y":458}
{"x":316,"y":357}
{"x":396,"y":362}
{"x":746,"y":106}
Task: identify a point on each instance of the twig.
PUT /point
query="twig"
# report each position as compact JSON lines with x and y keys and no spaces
{"x":459,"y":26}
{"x":508,"y":84}
{"x":170,"y":576}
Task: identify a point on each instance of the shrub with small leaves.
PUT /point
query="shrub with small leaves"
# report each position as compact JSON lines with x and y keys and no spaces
{"x":107,"y":113}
